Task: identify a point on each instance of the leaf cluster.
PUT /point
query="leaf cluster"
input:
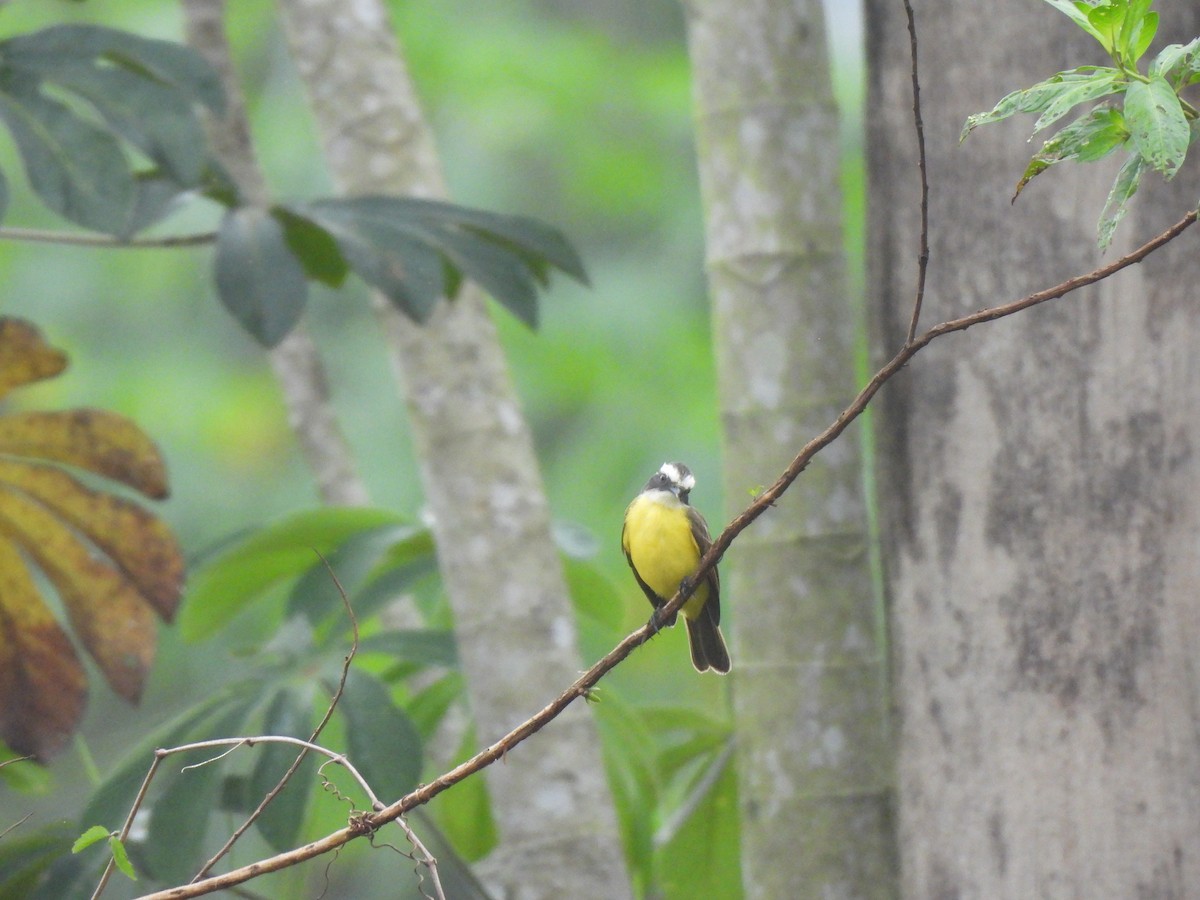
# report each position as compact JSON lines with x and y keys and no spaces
{"x":414,"y":251}
{"x":110,"y":132}
{"x":76,"y":98}
{"x":380,"y":720}
{"x":112,"y":565}
{"x":1141,"y":113}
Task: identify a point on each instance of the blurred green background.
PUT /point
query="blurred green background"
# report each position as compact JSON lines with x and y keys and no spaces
{"x":576,"y":112}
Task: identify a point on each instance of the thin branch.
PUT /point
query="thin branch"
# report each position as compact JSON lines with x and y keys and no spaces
{"x":235,"y":742}
{"x":295,"y":766}
{"x":918,"y":122}
{"x":127,"y":825}
{"x":77,"y":239}
{"x":429,"y":861}
{"x":423,"y":794}
{"x":15,"y":825}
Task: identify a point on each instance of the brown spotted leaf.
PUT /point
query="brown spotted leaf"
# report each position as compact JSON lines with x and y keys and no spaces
{"x":93,"y":439}
{"x":43,"y":688}
{"x":141,"y":545}
{"x":113,"y":565}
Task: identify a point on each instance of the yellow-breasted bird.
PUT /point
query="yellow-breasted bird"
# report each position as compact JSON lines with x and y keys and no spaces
{"x":663,"y":539}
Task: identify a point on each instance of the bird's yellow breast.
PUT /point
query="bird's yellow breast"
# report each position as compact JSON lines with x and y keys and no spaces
{"x":658,"y":540}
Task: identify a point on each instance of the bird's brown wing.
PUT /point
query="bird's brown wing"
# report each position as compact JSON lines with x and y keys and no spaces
{"x":703,"y":541}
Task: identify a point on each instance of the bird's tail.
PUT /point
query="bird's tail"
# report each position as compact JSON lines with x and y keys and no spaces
{"x":707,"y":643}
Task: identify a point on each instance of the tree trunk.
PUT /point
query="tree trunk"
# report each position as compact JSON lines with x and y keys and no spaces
{"x":296,"y":362}
{"x":1040,"y":490}
{"x":808,"y":676}
{"x":513,"y":618}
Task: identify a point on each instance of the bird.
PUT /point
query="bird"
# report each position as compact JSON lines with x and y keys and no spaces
{"x":663,"y":538}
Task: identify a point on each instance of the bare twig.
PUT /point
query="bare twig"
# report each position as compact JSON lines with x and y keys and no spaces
{"x":78,"y":239}
{"x":235,"y":742}
{"x":423,"y":794}
{"x":294,"y":767}
{"x":923,"y":253}
{"x":17,"y":824}
{"x":123,"y":834}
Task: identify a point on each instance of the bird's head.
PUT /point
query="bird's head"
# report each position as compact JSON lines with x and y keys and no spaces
{"x":673,"y":477}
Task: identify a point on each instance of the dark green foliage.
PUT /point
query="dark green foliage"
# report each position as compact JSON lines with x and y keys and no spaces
{"x":259,"y":278}
{"x":417,"y":251}
{"x":73,"y":95}
{"x":290,"y":714}
{"x":108,"y":129}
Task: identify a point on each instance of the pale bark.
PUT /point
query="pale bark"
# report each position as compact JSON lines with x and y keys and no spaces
{"x":1040,"y":481}
{"x":295,"y":361}
{"x":513,"y":617}
{"x":808,"y":672}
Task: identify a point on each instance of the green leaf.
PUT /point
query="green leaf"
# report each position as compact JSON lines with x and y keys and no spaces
{"x":634,"y":780}
{"x":1107,"y":19}
{"x":535,"y":241}
{"x":258,"y":277}
{"x":27,"y":854}
{"x":1136,"y":24}
{"x":225,"y":585}
{"x":1101,"y":84}
{"x":382,"y":254}
{"x":91,"y":836}
{"x":697,"y":856}
{"x":395,"y":581}
{"x":353,"y":563}
{"x":154,"y":118}
{"x":1158,"y":124}
{"x":500,"y":271}
{"x":155,"y":197}
{"x":416,"y":251}
{"x":22,"y":774}
{"x":429,"y":706}
{"x":465,"y":813}
{"x":1123,"y":189}
{"x":1176,"y":62}
{"x":93,"y":47}
{"x":289,"y":715}
{"x":422,"y":646}
{"x":383,"y":743}
{"x":1090,"y":137}
{"x":1039,"y":97}
{"x":314,"y":246}
{"x":75,"y":167}
{"x":1141,"y":38}
{"x":121,"y":858}
{"x":1077,"y":13}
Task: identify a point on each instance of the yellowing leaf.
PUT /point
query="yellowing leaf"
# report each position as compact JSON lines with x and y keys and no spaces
{"x":113,"y":621}
{"x":113,"y":564}
{"x":141,"y":545}
{"x":43,"y":689}
{"x":93,"y":439}
{"x":24,"y":356}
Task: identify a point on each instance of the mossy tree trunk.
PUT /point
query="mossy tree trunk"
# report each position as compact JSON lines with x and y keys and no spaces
{"x":808,"y":682}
